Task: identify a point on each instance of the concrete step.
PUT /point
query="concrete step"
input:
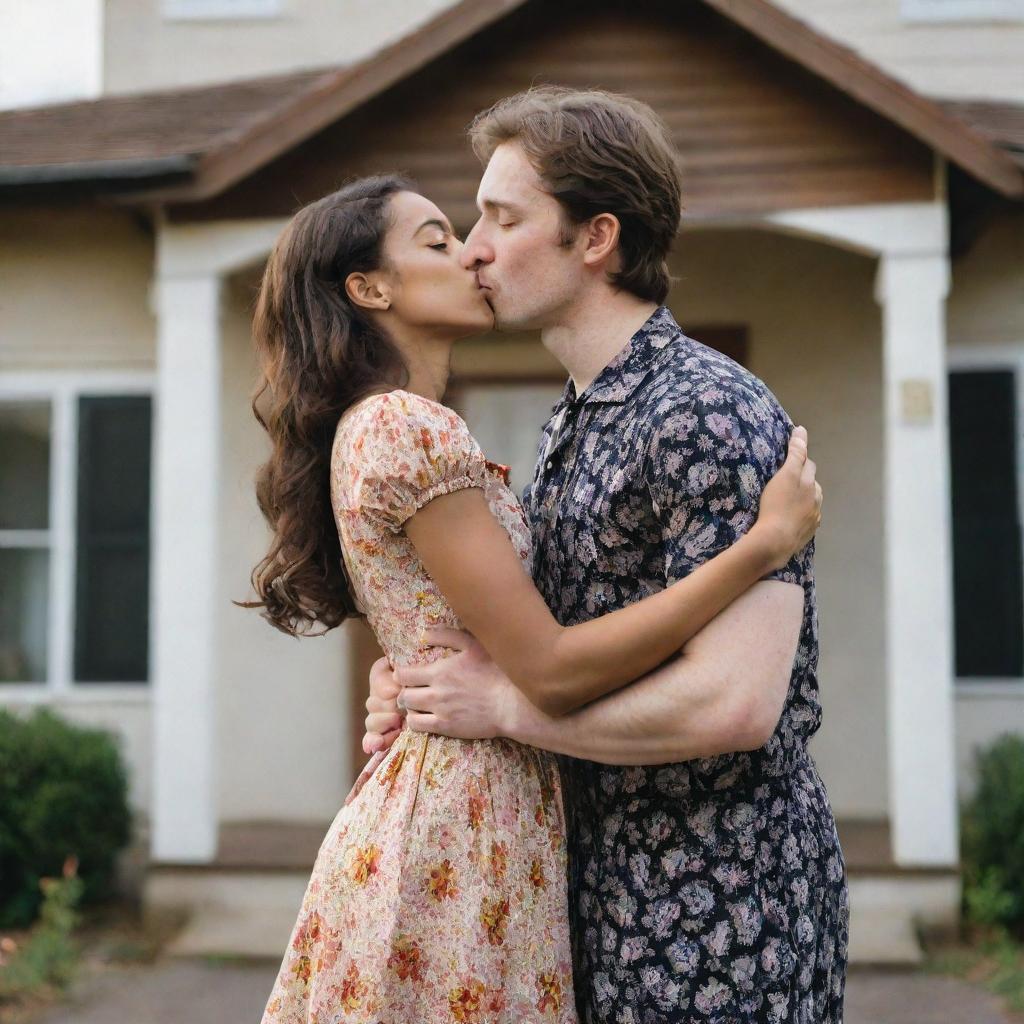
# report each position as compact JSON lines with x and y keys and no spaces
{"x":238,"y":912}
{"x":227,"y":912}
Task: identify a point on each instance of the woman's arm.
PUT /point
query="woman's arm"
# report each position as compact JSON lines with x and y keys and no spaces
{"x":470,"y":557}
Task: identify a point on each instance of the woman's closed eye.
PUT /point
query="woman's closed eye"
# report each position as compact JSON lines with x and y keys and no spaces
{"x":441,"y":246}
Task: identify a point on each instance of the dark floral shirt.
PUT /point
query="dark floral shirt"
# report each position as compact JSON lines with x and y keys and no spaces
{"x":714,"y":889}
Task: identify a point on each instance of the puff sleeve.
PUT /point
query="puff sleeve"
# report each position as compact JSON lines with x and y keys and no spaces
{"x":408,"y":451}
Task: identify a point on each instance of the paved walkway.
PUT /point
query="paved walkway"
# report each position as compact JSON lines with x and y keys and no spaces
{"x":175,"y":991}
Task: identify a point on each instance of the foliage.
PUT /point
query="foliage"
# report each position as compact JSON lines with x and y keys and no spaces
{"x":63,"y":792}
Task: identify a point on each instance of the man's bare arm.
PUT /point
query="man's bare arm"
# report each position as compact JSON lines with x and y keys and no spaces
{"x":724,"y":693}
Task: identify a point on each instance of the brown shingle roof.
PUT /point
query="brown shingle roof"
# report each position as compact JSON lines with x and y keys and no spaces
{"x":997,"y":120}
{"x":190,"y":144}
{"x":152,"y":132}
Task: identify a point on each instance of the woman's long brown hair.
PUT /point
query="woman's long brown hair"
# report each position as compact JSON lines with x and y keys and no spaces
{"x":318,"y":354}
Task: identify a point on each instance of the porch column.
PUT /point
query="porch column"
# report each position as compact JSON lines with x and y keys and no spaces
{"x":911,"y":286}
{"x":187,"y":442}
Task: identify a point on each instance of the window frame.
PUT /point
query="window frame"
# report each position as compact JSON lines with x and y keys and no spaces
{"x":941,"y":12}
{"x":991,"y":357}
{"x":62,"y":389}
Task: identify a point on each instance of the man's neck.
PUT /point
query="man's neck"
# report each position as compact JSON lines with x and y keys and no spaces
{"x":592,"y":333}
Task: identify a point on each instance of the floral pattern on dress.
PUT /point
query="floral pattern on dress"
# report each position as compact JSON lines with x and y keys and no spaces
{"x":438,"y":894}
{"x":715,"y":889}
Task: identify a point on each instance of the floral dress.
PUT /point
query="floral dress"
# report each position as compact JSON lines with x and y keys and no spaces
{"x":439,"y":893}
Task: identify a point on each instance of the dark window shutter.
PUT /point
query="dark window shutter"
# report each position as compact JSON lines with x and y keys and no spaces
{"x":112,"y":562}
{"x":988,"y":592}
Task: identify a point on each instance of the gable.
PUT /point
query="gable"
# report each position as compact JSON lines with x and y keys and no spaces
{"x":756,"y":132}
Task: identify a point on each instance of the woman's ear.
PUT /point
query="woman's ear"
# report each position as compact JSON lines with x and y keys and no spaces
{"x":367,"y":291}
{"x":602,"y":235}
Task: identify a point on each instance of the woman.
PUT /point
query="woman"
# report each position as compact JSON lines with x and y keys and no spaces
{"x":438,"y":894}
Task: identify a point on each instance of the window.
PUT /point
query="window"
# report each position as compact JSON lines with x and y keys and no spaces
{"x":987,"y":568}
{"x":112,"y":539}
{"x":25,"y":540}
{"x":74,"y":534}
{"x":937,"y":11}
{"x":211,"y":10}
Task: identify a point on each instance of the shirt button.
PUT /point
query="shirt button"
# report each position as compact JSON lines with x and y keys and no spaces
{"x":549,"y":464}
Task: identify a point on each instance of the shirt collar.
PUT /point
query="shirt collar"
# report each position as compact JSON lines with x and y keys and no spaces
{"x":616,"y":383}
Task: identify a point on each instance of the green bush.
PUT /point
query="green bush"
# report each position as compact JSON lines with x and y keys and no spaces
{"x":63,"y":793}
{"x":993,"y":837}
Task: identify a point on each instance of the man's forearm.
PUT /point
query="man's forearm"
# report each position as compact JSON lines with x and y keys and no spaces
{"x":678,"y":712}
{"x":724,"y":693}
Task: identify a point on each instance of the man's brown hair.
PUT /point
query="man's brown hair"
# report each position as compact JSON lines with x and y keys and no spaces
{"x":598,"y":152}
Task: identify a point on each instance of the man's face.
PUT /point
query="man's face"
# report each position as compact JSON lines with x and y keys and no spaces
{"x":529,"y":278}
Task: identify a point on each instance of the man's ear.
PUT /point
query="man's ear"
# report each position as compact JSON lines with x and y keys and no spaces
{"x":602,"y":238}
{"x":367,"y":291}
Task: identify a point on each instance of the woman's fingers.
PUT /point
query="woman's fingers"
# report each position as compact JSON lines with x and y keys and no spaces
{"x":798,"y":443}
{"x":382,"y":681}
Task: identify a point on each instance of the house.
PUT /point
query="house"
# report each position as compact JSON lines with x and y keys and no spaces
{"x":851,"y":233}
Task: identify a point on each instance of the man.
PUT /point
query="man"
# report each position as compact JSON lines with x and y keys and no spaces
{"x":706,"y":878}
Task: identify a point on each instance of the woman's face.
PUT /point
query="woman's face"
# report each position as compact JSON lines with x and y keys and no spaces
{"x":429,"y":290}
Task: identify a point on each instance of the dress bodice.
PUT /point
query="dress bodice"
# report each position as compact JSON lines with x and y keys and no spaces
{"x":392,"y":454}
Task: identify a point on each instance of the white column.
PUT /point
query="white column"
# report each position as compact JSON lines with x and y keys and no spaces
{"x":187,"y":441}
{"x":911,"y":287}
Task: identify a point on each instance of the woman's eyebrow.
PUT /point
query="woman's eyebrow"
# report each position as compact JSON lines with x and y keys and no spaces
{"x":434,"y":222}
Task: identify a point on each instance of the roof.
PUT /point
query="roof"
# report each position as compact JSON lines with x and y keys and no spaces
{"x":139,"y":135}
{"x":1001,"y":122}
{"x":192,"y":144}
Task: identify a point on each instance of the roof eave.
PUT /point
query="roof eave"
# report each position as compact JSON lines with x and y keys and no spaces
{"x":119,"y":171}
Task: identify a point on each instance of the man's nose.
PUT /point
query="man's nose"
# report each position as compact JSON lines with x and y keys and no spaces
{"x":474,"y":252}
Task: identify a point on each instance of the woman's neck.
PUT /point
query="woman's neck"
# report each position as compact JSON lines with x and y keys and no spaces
{"x":429,"y":365}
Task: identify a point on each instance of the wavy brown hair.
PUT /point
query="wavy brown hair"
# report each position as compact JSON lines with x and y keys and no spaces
{"x":318,"y":354}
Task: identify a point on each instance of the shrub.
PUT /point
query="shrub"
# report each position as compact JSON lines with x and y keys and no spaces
{"x":63,"y":792}
{"x":993,"y":837}
{"x":49,"y":955}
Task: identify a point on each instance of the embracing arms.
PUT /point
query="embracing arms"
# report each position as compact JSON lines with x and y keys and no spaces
{"x":561,"y":668}
{"x":723,"y":693}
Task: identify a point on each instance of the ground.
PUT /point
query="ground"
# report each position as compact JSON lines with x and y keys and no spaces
{"x":125,"y":978}
{"x":203,"y":992}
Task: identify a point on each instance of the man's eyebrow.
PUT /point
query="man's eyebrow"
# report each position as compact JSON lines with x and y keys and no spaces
{"x":434,"y":222}
{"x":492,"y":205}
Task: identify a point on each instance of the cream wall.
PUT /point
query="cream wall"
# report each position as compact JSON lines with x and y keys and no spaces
{"x":986,"y":301}
{"x":145,"y":50}
{"x":814,"y":336}
{"x":986,"y":329}
{"x":282,"y":703}
{"x":73,"y":297}
{"x":74,"y":290}
{"x":978,"y":59}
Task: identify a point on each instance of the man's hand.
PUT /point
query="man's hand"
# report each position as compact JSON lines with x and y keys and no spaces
{"x":464,"y":695}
